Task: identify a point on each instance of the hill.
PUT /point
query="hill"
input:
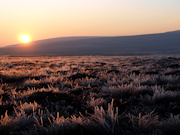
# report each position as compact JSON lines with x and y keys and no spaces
{"x":163,"y":43}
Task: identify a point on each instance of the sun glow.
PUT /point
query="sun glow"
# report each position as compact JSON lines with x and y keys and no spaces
{"x":25,"y":39}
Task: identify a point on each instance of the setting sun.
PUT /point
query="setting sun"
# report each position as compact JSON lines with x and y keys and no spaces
{"x":25,"y":38}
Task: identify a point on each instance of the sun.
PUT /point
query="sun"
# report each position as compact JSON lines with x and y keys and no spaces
{"x":25,"y":39}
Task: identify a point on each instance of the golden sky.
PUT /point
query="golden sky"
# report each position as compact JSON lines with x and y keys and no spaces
{"x":42,"y":19}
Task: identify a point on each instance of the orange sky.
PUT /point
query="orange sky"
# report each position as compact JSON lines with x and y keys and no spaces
{"x":43,"y":19}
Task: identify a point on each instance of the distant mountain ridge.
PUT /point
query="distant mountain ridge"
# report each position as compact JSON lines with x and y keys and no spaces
{"x":162,"y":43}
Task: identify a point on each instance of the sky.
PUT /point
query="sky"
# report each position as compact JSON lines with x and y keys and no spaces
{"x":43,"y":19}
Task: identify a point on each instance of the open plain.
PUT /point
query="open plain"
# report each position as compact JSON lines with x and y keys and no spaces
{"x":87,"y":95}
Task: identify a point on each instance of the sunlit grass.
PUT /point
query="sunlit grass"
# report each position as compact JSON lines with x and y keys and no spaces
{"x":89,"y":95}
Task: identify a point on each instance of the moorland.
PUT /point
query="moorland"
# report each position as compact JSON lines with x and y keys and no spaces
{"x":87,"y":95}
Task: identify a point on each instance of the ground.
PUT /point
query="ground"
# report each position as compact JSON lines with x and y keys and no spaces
{"x":90,"y":95}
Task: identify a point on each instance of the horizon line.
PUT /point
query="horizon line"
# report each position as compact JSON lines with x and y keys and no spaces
{"x":95,"y":37}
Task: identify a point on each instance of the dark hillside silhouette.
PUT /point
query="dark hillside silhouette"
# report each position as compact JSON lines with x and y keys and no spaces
{"x":163,"y":43}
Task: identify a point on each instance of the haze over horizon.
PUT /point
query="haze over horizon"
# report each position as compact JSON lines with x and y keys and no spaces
{"x":75,"y":38}
{"x":150,"y":44}
{"x":44,"y":19}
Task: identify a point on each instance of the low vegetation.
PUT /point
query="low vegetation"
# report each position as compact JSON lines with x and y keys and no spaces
{"x":88,"y":95}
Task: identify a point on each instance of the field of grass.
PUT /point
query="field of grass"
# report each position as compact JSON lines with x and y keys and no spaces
{"x":90,"y":95}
